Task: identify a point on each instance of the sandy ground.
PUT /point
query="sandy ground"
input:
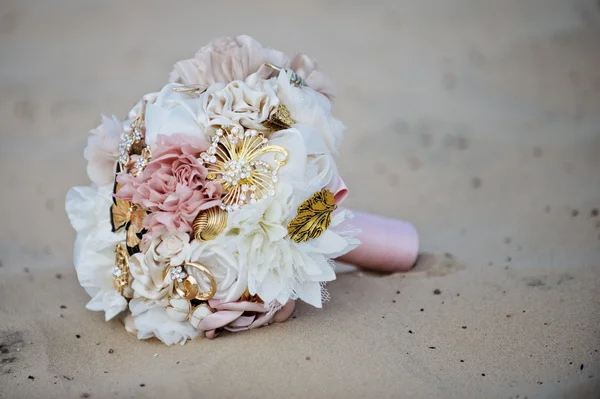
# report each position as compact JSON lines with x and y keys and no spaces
{"x":479,"y":121}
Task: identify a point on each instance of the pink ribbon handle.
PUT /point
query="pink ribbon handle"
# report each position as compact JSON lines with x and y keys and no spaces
{"x":388,"y":245}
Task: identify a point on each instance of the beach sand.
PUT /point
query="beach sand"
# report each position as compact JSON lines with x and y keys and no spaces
{"x":478,"y":121}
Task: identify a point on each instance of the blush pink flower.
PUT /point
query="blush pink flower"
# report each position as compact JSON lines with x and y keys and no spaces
{"x":173,"y":187}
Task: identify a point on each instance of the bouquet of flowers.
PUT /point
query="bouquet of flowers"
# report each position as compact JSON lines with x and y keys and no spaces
{"x":213,"y":205}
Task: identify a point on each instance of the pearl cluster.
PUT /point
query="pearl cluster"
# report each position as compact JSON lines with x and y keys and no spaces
{"x":142,"y":162}
{"x":125,"y":146}
{"x":177,"y":274}
{"x":129,"y":140}
{"x":117,"y":272}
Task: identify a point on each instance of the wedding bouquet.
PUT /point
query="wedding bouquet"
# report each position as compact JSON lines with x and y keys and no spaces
{"x":213,"y":205}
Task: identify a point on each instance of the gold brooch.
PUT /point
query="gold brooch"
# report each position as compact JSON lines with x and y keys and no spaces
{"x":209,"y":224}
{"x":133,"y":143}
{"x":233,"y":160}
{"x":192,"y":89}
{"x":128,"y":217}
{"x":280,"y":119}
{"x":121,"y":270}
{"x":314,"y":216}
{"x":187,"y":286}
{"x":295,"y":79}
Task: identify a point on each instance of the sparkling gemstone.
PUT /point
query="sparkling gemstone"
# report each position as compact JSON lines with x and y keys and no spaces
{"x":219,"y":132}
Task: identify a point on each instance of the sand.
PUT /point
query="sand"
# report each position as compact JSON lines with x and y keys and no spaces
{"x":478,"y":121}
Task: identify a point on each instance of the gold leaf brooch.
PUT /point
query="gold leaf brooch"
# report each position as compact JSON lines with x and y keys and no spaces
{"x":314,"y":216}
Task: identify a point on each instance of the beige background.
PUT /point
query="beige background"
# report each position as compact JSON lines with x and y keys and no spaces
{"x":479,"y":121}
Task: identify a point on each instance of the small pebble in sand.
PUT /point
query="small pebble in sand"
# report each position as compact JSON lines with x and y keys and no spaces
{"x":581,"y":367}
{"x":58,"y":276}
{"x":77,"y":336}
{"x":462,"y":361}
{"x":31,"y":377}
{"x":410,"y":331}
{"x":574,"y":213}
{"x":432,"y":347}
{"x":142,"y":385}
{"x":437,"y":291}
{"x":464,"y":327}
{"x":482,"y":374}
{"x":307,"y":357}
{"x":398,"y":292}
{"x":63,"y":306}
{"x":422,"y":310}
{"x":594,"y":212}
{"x":111,"y":351}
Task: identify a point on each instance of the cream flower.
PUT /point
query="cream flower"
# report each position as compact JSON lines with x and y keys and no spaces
{"x":102,"y":150}
{"x":224,"y":60}
{"x":227,"y":268}
{"x":227,"y":59}
{"x":246,"y":103}
{"x":149,"y":282}
{"x":148,"y":267}
{"x":94,"y":254}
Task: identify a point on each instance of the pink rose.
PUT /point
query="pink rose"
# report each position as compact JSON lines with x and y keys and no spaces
{"x":173,"y":186}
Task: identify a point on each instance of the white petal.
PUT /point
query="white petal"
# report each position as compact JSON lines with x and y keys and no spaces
{"x":201,"y":312}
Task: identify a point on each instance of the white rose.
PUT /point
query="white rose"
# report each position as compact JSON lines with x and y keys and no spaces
{"x":154,"y":321}
{"x":172,"y":248}
{"x":227,"y":268}
{"x":174,"y":112}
